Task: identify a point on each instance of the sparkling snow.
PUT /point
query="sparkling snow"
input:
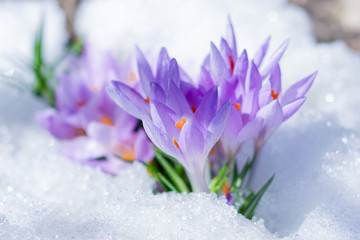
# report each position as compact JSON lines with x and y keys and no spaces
{"x":315,"y":155}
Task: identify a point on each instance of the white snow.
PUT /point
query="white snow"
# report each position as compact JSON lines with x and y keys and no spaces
{"x":315,"y":155}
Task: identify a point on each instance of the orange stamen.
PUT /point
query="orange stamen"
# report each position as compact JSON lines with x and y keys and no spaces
{"x":175,"y":142}
{"x":226,"y":189}
{"x":238,"y":106}
{"x":274,"y":95}
{"x":147,"y":100}
{"x":107,"y":121}
{"x":179,"y":124}
{"x":193,"y":108}
{"x":231,"y":60}
{"x":212,"y":151}
{"x":125,"y":154}
{"x":128,"y":156}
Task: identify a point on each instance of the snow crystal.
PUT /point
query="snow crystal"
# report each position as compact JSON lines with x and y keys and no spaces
{"x":315,"y":155}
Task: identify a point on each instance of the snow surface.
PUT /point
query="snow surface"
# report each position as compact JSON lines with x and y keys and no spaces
{"x":315,"y":155}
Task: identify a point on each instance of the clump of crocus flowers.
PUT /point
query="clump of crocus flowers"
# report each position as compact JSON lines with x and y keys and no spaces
{"x":197,"y":127}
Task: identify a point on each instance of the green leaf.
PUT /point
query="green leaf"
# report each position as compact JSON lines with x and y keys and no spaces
{"x":219,"y":178}
{"x":167,"y":182}
{"x":253,"y":200}
{"x":239,"y":181}
{"x":170,"y":171}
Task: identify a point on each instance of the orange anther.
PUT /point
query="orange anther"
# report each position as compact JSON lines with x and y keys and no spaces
{"x":128,"y":156}
{"x":175,"y":142}
{"x":238,"y":106}
{"x":193,"y":108}
{"x":212,"y":151}
{"x":107,"y":121}
{"x":179,"y":124}
{"x":147,"y":100}
{"x":226,"y":189}
{"x":274,"y":95}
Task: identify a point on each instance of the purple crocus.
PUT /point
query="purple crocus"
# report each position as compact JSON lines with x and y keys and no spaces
{"x":172,"y":123}
{"x":276,"y":107}
{"x":254,"y":87}
{"x":95,"y":131}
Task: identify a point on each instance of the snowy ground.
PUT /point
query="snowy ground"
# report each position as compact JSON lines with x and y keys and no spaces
{"x":315,"y":155}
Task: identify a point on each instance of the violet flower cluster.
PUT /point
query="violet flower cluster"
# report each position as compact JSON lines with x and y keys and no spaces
{"x":191,"y":130}
{"x":235,"y":99}
{"x":93,"y":129}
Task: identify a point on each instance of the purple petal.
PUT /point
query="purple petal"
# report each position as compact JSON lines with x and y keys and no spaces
{"x":205,"y":79}
{"x":230,"y":37}
{"x":191,"y":142}
{"x":274,"y":59}
{"x":161,"y":140}
{"x":250,"y":130}
{"x":265,"y":93}
{"x":143,"y":148}
{"x":290,"y":108}
{"x":208,"y":106}
{"x":56,"y":124}
{"x":145,"y":73}
{"x":275,"y":79}
{"x":157,"y":93}
{"x":165,"y":118}
{"x":260,"y":54}
{"x":177,"y":101}
{"x":129,"y":100}
{"x":217,"y":126}
{"x":253,"y":81}
{"x":81,"y":149}
{"x":111,"y":165}
{"x":273,"y":117}
{"x":298,"y":90}
{"x":241,"y":67}
{"x":174,"y":74}
{"x":218,"y":69}
{"x":226,"y":53}
{"x":162,"y":65}
{"x":250,"y":103}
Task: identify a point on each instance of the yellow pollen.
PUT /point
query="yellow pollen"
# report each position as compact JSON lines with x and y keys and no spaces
{"x":107,"y":121}
{"x":193,"y":108}
{"x":274,"y":95}
{"x":175,"y":142}
{"x":179,"y":124}
{"x":238,"y":106}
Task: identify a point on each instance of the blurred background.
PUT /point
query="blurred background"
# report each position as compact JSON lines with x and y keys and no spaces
{"x":331,"y":19}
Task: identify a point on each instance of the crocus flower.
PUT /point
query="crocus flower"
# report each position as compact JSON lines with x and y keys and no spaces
{"x":172,"y":124}
{"x":276,"y":107}
{"x":96,"y":131}
{"x":252,"y":87}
